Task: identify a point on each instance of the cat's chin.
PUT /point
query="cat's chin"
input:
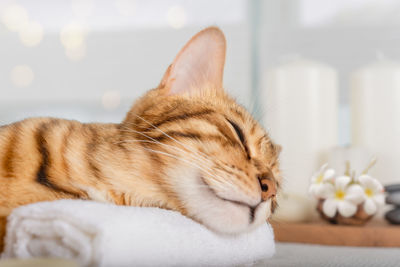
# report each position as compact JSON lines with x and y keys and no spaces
{"x":226,"y":218}
{"x":232,"y":217}
{"x":220,"y":215}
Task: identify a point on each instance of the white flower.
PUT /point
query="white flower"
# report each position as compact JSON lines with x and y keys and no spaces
{"x":373,"y":193}
{"x":319,"y":179}
{"x":341,"y":197}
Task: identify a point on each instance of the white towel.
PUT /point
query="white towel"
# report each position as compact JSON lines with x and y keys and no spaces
{"x":98,"y":234}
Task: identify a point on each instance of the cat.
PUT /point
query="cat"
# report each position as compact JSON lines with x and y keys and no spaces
{"x":184,"y":146}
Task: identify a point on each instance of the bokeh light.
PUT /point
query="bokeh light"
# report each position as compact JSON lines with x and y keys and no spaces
{"x":111,"y":100}
{"x":22,"y":76}
{"x":73,"y":35}
{"x":31,"y":34}
{"x":126,"y":7}
{"x":176,"y":17}
{"x":73,"y":38}
{"x":14,"y":17}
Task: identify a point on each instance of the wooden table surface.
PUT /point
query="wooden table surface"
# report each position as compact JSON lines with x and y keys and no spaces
{"x":372,"y":234}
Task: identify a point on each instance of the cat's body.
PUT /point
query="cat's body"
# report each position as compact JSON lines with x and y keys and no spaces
{"x":184,"y":146}
{"x":47,"y":159}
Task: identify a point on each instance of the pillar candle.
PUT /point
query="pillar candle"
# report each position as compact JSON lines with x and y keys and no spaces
{"x":300,"y":113}
{"x":375,"y":106}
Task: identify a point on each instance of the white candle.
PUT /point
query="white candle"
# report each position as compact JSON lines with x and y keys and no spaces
{"x":375,"y":102}
{"x":301,"y":113}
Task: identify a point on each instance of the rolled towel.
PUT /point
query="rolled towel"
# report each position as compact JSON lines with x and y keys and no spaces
{"x":99,"y":234}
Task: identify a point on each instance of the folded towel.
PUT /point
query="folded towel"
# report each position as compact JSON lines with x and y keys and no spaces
{"x":99,"y":234}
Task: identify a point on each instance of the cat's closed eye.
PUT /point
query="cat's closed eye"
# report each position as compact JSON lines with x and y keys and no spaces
{"x":238,"y":131}
{"x":240,"y":134}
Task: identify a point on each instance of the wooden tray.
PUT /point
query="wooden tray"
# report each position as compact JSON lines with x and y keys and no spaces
{"x":373,"y":234}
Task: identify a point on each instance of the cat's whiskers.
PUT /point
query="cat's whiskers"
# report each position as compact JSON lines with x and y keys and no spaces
{"x":172,"y":147}
{"x":192,"y":153}
{"x":205,"y":160}
{"x":197,"y":186}
{"x":198,"y":153}
{"x":217,"y":179}
{"x":145,"y":135}
{"x":164,"y":133}
{"x":197,"y":156}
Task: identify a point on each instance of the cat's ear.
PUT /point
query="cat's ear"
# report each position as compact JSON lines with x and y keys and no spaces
{"x":199,"y":65}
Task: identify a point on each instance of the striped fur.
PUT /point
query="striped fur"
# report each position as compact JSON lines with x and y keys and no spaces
{"x":197,"y":152}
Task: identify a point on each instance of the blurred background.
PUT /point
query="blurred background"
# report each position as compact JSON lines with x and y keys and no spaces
{"x":322,"y":76}
{"x":90,"y":59}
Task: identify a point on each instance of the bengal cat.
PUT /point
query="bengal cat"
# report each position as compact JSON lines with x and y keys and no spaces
{"x":185,"y":146}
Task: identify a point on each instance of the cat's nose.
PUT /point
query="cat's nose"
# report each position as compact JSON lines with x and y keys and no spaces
{"x":268,"y":188}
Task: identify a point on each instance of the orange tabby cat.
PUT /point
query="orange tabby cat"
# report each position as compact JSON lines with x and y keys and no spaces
{"x":184,"y":146}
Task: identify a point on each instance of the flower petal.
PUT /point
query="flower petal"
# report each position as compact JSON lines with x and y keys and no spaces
{"x":346,"y":208}
{"x":329,"y":207}
{"x":371,"y":183}
{"x":378,"y":187}
{"x":366,"y":181}
{"x":329,"y":174}
{"x":355,"y":194}
{"x":326,"y":191}
{"x":370,"y":206}
{"x":342,"y":181}
{"x":321,"y":170}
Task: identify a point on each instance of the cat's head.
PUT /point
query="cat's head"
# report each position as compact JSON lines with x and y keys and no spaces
{"x":215,"y":162}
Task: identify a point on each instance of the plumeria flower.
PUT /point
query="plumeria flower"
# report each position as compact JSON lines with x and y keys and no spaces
{"x":319,"y":179}
{"x":373,"y":193}
{"x":342,"y":197}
